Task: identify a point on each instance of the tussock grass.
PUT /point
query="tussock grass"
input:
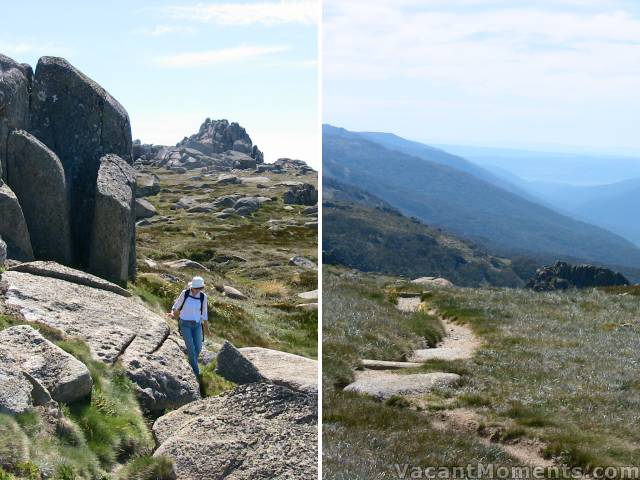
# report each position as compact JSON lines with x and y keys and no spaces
{"x":89,"y":439}
{"x":272,"y":289}
{"x":360,"y":322}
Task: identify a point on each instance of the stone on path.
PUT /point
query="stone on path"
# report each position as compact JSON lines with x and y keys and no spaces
{"x":433,"y":281}
{"x":387,"y":365}
{"x":383,"y":385}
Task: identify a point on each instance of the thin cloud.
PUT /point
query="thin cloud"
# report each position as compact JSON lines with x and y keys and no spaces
{"x":160,"y":30}
{"x":214,"y":57}
{"x":303,"y":12}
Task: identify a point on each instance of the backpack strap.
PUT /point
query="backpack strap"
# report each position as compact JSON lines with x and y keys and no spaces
{"x":184,"y":298}
{"x":187,"y":295}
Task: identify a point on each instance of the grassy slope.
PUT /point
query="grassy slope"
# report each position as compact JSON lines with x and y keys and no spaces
{"x":561,"y":368}
{"x":268,"y":318}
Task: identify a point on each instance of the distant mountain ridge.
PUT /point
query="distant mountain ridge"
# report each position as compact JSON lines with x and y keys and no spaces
{"x":364,"y":232}
{"x":467,"y":206}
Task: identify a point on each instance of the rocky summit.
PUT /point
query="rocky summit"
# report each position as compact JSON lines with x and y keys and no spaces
{"x":562,"y":276}
{"x":57,"y":127}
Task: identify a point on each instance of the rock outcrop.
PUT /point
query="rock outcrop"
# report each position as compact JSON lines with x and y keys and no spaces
{"x":144,"y":209}
{"x":112,"y":253}
{"x":80,"y":121}
{"x":234,"y":366}
{"x":13,"y":226}
{"x":219,"y":136}
{"x":305,"y":194}
{"x":253,"y":431}
{"x":114,"y":328}
{"x":562,"y":276}
{"x":15,"y":87}
{"x":37,"y":178}
{"x":55,"y":127}
{"x":65,"y":378}
{"x":433,"y":282}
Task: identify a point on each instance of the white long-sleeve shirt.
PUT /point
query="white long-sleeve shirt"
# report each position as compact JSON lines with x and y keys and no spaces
{"x":191,"y":310}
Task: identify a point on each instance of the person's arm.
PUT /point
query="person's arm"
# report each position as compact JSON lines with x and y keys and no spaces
{"x":205,"y":314}
{"x":176,"y":305}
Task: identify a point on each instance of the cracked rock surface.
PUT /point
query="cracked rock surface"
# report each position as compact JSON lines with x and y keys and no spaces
{"x":255,"y":431}
{"x":115,"y":328}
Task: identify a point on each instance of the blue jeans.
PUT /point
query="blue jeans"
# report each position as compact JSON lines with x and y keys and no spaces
{"x":192,"y":334}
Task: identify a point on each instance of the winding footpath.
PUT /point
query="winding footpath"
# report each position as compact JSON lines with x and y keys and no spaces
{"x":382,"y":380}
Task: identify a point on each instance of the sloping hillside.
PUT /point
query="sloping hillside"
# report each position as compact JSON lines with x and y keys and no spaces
{"x":466,"y":206}
{"x":364,"y":232}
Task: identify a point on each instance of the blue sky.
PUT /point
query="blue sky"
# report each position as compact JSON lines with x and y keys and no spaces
{"x":552,"y":74}
{"x":174,"y":63}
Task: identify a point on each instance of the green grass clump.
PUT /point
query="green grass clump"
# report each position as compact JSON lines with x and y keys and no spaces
{"x":148,"y":468}
{"x":211,"y":383}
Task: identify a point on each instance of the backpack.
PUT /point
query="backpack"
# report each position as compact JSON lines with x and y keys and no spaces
{"x":188,"y":295}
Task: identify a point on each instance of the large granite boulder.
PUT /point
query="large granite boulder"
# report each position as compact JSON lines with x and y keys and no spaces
{"x":81,"y":122}
{"x":234,"y":366}
{"x":115,"y":328}
{"x":144,"y":209}
{"x":65,"y":378}
{"x":218,"y":136}
{"x":255,"y":431}
{"x":113,"y":234}
{"x":15,"y":86}
{"x":37,"y":178}
{"x":13,"y":226}
{"x":283,"y":368}
{"x":562,"y":276}
{"x":305,"y":194}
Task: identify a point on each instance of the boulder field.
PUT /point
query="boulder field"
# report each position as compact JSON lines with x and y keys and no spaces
{"x":62,"y":197}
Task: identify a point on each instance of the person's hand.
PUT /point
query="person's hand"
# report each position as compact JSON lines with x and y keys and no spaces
{"x":171,"y":314}
{"x":206,"y":328}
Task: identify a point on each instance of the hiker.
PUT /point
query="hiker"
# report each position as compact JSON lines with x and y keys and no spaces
{"x":194,"y":320}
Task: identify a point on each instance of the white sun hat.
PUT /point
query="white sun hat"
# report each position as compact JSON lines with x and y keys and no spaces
{"x":197,"y":282}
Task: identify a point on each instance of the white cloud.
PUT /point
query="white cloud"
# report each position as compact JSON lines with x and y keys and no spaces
{"x":213,"y":57}
{"x":502,"y":51}
{"x":242,"y":14}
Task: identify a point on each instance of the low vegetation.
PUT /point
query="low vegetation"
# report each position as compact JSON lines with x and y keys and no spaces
{"x":86,"y":439}
{"x":558,"y":369}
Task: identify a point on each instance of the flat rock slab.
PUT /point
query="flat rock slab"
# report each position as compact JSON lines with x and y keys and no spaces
{"x":459,"y":343}
{"x":255,"y":180}
{"x":115,"y":328}
{"x":383,"y":385}
{"x":65,"y":377}
{"x":311,"y":295}
{"x":433,"y":282}
{"x":409,"y":304}
{"x":282,"y":368}
{"x":55,"y":270}
{"x":254,"y":431}
{"x":386,"y":365}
